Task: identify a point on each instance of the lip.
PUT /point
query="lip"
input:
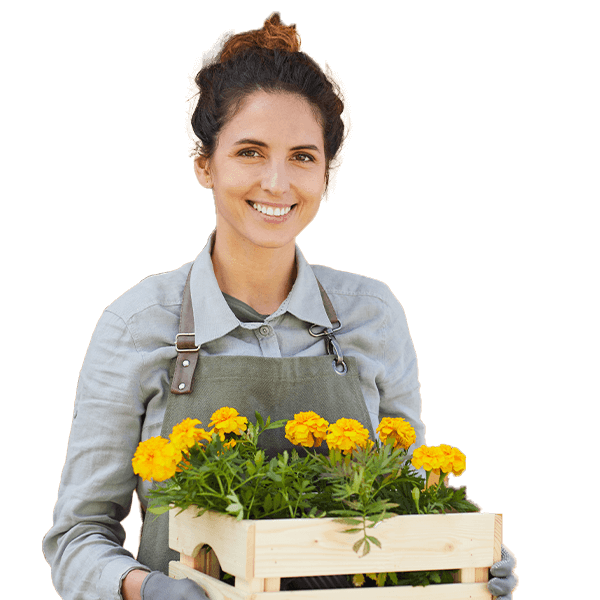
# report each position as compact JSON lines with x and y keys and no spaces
{"x":269,"y":203}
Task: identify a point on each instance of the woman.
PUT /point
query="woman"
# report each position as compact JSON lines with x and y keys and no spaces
{"x":259,"y":329}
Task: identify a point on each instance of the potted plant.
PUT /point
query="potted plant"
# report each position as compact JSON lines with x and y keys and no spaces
{"x":362,"y":509}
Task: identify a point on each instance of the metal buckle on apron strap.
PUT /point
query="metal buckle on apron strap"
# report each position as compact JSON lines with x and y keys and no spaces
{"x":190,"y":346}
{"x":185,"y":365}
{"x":332,"y":346}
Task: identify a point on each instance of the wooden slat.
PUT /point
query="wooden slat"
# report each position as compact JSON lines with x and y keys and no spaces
{"x":409,"y":543}
{"x":217,"y":590}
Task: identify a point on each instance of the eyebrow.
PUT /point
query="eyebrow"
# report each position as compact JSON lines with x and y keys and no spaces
{"x":263,"y":145}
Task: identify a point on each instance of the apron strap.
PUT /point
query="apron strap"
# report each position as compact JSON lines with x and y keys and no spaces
{"x":185,"y":342}
{"x":188,"y":351}
{"x":328,"y":306}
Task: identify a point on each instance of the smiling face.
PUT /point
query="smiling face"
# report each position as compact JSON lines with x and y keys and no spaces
{"x":267,"y":172}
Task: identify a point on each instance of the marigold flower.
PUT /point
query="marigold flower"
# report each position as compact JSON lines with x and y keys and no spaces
{"x":427,"y":457}
{"x":439,"y":458}
{"x":347,"y":435}
{"x":307,"y":429}
{"x":156,"y":459}
{"x":397,"y":429}
{"x":186,"y":434}
{"x":227,"y":420}
{"x":452,"y":460}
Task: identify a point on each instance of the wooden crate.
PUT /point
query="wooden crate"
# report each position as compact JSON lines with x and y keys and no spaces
{"x":259,"y":553}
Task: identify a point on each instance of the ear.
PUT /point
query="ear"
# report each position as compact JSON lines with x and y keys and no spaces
{"x":201,"y":169}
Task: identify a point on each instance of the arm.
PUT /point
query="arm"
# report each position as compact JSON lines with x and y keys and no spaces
{"x":85,"y":545}
{"x":132,"y":585}
{"x":399,"y":384}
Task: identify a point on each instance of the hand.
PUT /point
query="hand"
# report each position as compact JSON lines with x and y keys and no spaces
{"x":157,"y":586}
{"x":503,"y":582}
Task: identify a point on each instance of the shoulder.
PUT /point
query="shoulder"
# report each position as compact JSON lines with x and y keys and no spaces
{"x":343,"y":283}
{"x":162,"y":291}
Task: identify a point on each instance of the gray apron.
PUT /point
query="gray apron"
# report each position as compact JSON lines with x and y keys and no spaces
{"x":275,"y":387}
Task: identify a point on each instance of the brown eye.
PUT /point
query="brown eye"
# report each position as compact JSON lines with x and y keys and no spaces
{"x":249,"y":153}
{"x":303,"y":157}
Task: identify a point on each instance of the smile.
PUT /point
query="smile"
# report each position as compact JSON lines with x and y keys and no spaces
{"x":271,"y":211}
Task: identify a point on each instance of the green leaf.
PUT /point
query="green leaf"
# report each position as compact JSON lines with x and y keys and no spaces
{"x":159,"y":510}
{"x":259,"y":419}
{"x":348,"y":521}
{"x":268,"y":503}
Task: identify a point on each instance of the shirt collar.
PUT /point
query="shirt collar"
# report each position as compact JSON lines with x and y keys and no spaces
{"x":305,"y":300}
{"x":213,"y":318}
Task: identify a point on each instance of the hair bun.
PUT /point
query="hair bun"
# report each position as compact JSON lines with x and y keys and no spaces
{"x":274,"y":35}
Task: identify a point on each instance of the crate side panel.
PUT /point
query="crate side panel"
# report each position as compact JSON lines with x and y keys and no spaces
{"x":231,"y":540}
{"x":292,"y":548}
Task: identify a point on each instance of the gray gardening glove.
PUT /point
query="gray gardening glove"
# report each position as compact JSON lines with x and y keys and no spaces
{"x":503,"y":582}
{"x":157,"y":586}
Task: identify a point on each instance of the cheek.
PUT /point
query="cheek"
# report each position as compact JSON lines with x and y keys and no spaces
{"x":313,"y":184}
{"x":231,"y":182}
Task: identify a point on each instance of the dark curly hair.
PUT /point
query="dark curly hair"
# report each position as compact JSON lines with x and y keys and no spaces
{"x":264,"y":59}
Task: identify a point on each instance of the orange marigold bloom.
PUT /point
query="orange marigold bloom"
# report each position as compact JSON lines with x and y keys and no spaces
{"x":307,"y":429}
{"x":156,"y":459}
{"x":397,"y":429}
{"x":346,"y":435}
{"x":186,"y":434}
{"x":227,"y":420}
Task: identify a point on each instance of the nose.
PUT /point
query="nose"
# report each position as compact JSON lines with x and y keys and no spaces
{"x":275,"y":178}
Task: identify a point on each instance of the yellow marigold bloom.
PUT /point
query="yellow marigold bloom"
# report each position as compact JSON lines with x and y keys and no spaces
{"x":307,"y":429}
{"x":186,"y":434}
{"x":346,"y":435}
{"x":227,"y":420}
{"x":156,"y":459}
{"x":427,"y":457}
{"x":439,"y":458}
{"x":397,"y":429}
{"x":452,"y":460}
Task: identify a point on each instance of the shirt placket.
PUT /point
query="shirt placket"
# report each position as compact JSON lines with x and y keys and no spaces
{"x":267,"y":340}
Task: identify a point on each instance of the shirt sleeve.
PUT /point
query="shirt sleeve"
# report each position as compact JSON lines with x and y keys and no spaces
{"x":399,"y":388}
{"x":84,"y":547}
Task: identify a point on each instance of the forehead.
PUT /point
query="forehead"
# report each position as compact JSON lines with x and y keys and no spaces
{"x":276,"y":118}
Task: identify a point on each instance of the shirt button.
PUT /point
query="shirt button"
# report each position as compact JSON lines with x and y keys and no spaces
{"x":264,"y":330}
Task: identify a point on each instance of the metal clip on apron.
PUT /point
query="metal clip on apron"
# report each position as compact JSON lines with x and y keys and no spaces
{"x":275,"y":387}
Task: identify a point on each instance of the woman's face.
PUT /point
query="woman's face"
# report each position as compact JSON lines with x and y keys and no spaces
{"x":268,"y":170}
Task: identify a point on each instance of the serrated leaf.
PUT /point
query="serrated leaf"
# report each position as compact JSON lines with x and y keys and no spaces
{"x":374,"y":540}
{"x":268,"y":503}
{"x":348,"y":521}
{"x":358,"y":544}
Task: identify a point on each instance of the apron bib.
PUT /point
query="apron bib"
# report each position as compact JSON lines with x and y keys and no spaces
{"x":275,"y":387}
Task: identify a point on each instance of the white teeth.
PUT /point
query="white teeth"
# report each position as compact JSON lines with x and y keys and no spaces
{"x":269,"y":210}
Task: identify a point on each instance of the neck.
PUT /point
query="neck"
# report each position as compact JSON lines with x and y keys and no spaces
{"x":260,"y":277}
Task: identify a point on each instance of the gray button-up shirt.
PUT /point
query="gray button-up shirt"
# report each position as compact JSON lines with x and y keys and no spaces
{"x":124,"y":385}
